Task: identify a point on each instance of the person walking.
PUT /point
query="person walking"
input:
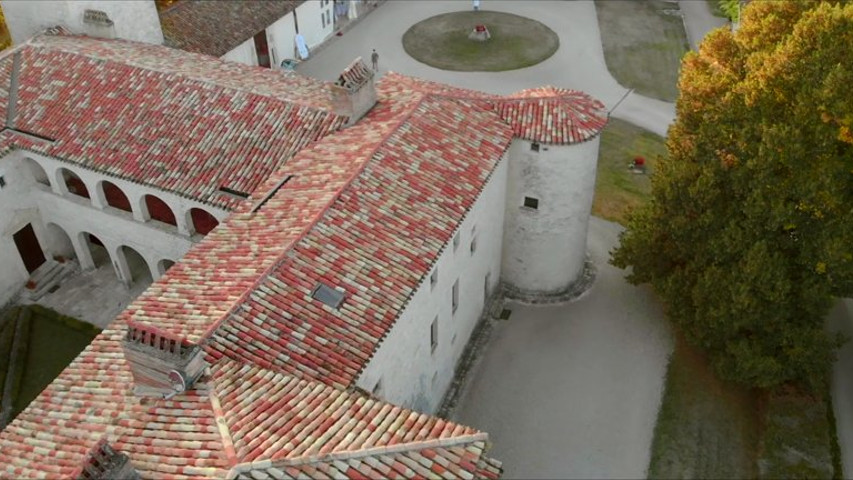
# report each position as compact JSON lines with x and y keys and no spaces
{"x":374,"y":58}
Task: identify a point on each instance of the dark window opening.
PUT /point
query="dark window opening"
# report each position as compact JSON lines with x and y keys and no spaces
{"x":531,"y":202}
{"x":534,"y":147}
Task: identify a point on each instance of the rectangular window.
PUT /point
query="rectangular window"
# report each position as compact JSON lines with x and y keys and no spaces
{"x":473,"y":245}
{"x":433,"y":279}
{"x":531,"y":202}
{"x":455,"y":299}
{"x":433,"y":334}
{"x":377,"y":389}
{"x":328,"y":295}
{"x":534,"y":147}
{"x":2,"y":182}
{"x":329,"y":17}
{"x":323,"y":19}
{"x":456,"y":241}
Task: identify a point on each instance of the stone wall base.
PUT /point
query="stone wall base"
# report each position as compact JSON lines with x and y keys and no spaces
{"x":573,"y":291}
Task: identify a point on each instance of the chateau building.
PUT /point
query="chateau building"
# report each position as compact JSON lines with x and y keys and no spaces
{"x":321,"y":253}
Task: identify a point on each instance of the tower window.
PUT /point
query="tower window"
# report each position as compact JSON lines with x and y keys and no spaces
{"x":433,"y":334}
{"x":531,"y":202}
{"x":534,"y":147}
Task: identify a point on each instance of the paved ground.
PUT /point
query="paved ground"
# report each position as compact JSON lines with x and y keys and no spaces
{"x":698,"y":20}
{"x":841,"y":319}
{"x":578,"y":64}
{"x":573,"y":391}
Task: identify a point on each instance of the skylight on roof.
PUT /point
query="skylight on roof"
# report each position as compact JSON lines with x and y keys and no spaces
{"x":328,"y":295}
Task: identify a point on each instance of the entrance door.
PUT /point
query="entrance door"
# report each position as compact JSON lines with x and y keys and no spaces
{"x":262,"y":49}
{"x":29,"y":248}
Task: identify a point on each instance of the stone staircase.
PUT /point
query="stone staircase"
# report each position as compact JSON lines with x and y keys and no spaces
{"x":47,"y":277}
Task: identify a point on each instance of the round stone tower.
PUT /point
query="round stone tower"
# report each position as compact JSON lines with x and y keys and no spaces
{"x":550,"y":187}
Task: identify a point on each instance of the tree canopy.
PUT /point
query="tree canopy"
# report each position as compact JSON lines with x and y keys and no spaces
{"x":748,"y":236}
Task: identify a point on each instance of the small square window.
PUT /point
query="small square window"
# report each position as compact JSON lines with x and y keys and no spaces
{"x":455,"y":299}
{"x":328,"y":295}
{"x":433,"y":279}
{"x":2,"y":182}
{"x":534,"y":147}
{"x":530,"y":202}
{"x":456,"y":241}
{"x":433,"y":335}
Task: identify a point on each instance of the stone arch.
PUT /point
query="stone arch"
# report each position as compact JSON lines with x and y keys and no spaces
{"x":164,"y":265}
{"x":96,"y":248}
{"x":159,"y":210}
{"x":73,"y":183}
{"x":59,"y":243}
{"x":37,"y":171}
{"x":114,"y":196}
{"x":137,"y":268}
{"x":201,"y":221}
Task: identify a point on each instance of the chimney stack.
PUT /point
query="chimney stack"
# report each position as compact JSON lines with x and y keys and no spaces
{"x":162,"y":364}
{"x":354,"y":93}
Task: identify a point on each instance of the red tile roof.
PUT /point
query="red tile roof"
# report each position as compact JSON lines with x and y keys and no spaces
{"x":455,"y":458}
{"x":217,"y":27}
{"x":553,"y":115}
{"x":188,"y":133}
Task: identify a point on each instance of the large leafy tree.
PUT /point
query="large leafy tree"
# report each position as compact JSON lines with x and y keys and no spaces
{"x":749,"y":234}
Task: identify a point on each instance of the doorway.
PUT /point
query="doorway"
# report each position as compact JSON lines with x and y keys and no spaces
{"x":29,"y":248}
{"x":262,"y":49}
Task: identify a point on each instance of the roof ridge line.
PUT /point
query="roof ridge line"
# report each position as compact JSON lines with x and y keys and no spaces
{"x":362,"y":453}
{"x":128,"y":61}
{"x":314,"y":221}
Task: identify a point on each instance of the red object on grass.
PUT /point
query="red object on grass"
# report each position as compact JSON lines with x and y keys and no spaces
{"x":639,"y":161}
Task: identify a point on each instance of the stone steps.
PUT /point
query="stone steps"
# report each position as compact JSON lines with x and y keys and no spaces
{"x":47,"y":276}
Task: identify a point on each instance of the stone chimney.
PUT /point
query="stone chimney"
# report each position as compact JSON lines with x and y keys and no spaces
{"x":162,"y":364}
{"x":354,"y":93}
{"x":104,"y":463}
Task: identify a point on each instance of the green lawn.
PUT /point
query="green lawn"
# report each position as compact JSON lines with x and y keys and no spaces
{"x":50,"y":342}
{"x":516,"y":42}
{"x":643,"y":44}
{"x":617,"y":189}
{"x":705,"y":428}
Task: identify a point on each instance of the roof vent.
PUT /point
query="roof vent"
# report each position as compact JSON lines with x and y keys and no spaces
{"x":105,"y":463}
{"x":162,"y":364}
{"x":328,"y":295}
{"x":354,"y":94}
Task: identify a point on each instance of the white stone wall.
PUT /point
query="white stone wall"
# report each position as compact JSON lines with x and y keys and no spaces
{"x":245,"y":53}
{"x":544,"y":249}
{"x":411,"y":374}
{"x":24,"y":201}
{"x":133,"y":19}
{"x":17,"y":209}
{"x":280,"y":39}
{"x":311,"y":26}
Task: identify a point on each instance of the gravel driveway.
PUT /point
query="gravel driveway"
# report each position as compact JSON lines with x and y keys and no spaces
{"x":573,"y":391}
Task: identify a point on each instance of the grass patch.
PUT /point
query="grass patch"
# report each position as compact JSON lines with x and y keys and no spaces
{"x":705,"y":428}
{"x":798,"y":438}
{"x":643,"y":44}
{"x":617,"y":189}
{"x":516,"y":42}
{"x":52,"y":341}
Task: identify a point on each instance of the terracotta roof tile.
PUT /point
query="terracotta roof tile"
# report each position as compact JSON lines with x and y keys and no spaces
{"x":188,"y":133}
{"x":553,"y":115}
{"x":215,"y":27}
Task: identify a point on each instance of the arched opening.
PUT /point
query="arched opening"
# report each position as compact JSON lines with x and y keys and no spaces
{"x":158,"y":210}
{"x":115,"y":197}
{"x":138,"y":267}
{"x":100,"y":255}
{"x":38,"y":173}
{"x":202,"y":221}
{"x":59,"y":243}
{"x":164,"y":265}
{"x":73,"y":183}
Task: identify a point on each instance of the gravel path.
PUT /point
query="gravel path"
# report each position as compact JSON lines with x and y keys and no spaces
{"x":573,"y":391}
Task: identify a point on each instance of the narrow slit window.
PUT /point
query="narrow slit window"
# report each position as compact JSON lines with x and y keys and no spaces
{"x":455,"y":298}
{"x":2,"y":182}
{"x":328,"y":295}
{"x":433,"y":335}
{"x":531,"y":202}
{"x":433,"y":279}
{"x":456,"y":240}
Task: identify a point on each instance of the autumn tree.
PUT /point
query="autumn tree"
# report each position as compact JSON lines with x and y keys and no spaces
{"x":749,"y":233}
